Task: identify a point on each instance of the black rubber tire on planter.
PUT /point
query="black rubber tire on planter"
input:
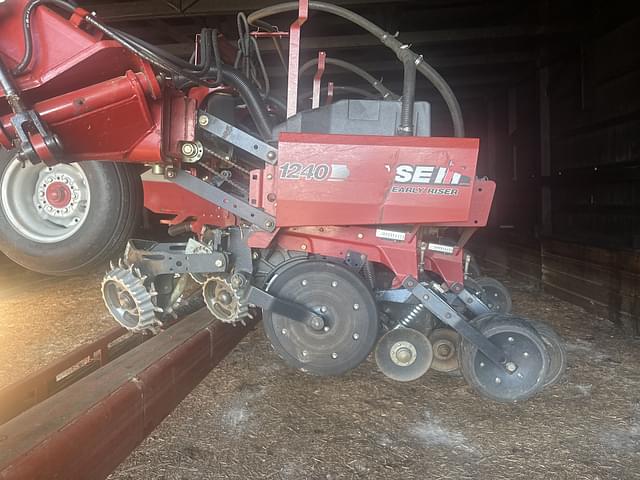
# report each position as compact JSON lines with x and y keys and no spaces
{"x":313,"y":283}
{"x":113,"y":214}
{"x":556,"y":350}
{"x":525,"y":346}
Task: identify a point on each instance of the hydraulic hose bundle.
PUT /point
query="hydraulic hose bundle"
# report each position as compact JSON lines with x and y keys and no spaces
{"x":404,"y":54}
{"x":182,"y":72}
{"x":211,"y":71}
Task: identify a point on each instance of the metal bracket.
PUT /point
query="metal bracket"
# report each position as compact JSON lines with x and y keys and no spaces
{"x":317,"y":79}
{"x":291,"y":310}
{"x":473,"y":303}
{"x":294,"y":57}
{"x":441,"y":309}
{"x":355,"y":260}
{"x":238,"y":138}
{"x":156,"y":259}
{"x":219,"y":197}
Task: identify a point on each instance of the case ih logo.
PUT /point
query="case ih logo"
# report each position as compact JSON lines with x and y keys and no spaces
{"x":430,"y":175}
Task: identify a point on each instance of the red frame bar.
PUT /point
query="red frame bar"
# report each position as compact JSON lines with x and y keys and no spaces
{"x":317,"y":79}
{"x":294,"y":58}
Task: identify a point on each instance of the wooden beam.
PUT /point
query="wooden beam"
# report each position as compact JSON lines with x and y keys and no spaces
{"x":339,"y":42}
{"x":143,"y":10}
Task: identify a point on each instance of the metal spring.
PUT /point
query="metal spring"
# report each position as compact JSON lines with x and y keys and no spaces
{"x":413,"y":316}
{"x":369,"y":274}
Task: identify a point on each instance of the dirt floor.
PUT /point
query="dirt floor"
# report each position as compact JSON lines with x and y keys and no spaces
{"x":254,"y":418}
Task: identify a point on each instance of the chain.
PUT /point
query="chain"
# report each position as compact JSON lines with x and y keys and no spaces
{"x":226,"y":179}
{"x":227,"y":160}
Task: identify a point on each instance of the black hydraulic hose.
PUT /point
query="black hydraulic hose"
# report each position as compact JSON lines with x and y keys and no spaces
{"x":28,"y":38}
{"x":377,"y":84}
{"x":340,"y":88}
{"x":409,"y":62}
{"x":387,"y":39}
{"x":178,"y":68}
{"x":224,"y":74}
{"x":249,"y":93}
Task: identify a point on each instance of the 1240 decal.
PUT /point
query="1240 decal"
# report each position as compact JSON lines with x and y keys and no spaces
{"x":311,"y":171}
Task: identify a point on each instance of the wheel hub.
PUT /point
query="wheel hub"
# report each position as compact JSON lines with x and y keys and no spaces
{"x":58,"y":195}
{"x":403,"y":354}
{"x":45,"y":204}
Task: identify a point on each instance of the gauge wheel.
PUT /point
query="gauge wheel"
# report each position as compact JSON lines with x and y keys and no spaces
{"x":346,"y":305}
{"x":67,"y":219}
{"x":494,"y":294}
{"x":522,"y":345}
{"x":555,"y":349}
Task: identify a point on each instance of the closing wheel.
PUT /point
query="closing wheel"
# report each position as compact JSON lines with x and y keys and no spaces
{"x":347,"y":307}
{"x":555,"y":349}
{"x":404,"y":354}
{"x":522,"y":345}
{"x":67,"y":218}
{"x":445,"y":343}
{"x":494,"y":294}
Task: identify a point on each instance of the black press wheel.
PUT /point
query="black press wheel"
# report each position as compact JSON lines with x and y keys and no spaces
{"x":524,"y":347}
{"x":556,"y":350}
{"x":347,"y":307}
{"x":67,"y":218}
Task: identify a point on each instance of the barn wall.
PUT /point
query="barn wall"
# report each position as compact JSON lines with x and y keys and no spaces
{"x":567,"y":161}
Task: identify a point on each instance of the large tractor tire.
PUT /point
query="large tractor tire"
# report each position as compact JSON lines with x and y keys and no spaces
{"x":67,"y":219}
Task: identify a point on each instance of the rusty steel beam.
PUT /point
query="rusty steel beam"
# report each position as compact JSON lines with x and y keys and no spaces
{"x":72,"y":367}
{"x":88,"y":429}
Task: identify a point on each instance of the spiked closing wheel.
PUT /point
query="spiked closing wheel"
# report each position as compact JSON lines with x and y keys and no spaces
{"x":523,"y":347}
{"x":347,"y":307}
{"x":404,"y":354}
{"x":446,"y":343}
{"x":223,"y":300}
{"x":128,"y":300}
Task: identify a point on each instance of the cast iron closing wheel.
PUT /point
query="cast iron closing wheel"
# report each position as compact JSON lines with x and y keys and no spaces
{"x":404,"y":354}
{"x":494,"y":294}
{"x":345,"y":303}
{"x":523,"y":346}
{"x":67,"y":218}
{"x":556,"y":350}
